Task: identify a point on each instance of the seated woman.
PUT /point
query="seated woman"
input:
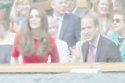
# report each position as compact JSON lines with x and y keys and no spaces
{"x":33,"y":41}
{"x":103,"y":9}
{"x":61,"y":45}
{"x":6,"y":40}
{"x":117,"y":34}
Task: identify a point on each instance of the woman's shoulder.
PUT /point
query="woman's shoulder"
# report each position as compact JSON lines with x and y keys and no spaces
{"x":9,"y":39}
{"x":112,"y":35}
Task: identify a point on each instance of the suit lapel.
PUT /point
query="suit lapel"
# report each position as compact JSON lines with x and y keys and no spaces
{"x":85,"y":48}
{"x":99,"y":48}
{"x":64,"y":26}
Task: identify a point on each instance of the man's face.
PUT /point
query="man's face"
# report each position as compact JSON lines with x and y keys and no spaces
{"x":71,"y":4}
{"x":88,"y":29}
{"x":59,"y":6}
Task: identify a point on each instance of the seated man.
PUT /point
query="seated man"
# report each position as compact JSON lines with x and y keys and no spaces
{"x":68,"y":24}
{"x":97,"y":48}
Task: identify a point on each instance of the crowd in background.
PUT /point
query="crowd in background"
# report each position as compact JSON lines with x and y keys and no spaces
{"x":65,"y":34}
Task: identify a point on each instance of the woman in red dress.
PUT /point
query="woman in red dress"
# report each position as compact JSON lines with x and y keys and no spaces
{"x":33,"y":42}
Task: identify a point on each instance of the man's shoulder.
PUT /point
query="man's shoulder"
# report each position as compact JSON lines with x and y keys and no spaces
{"x":106,"y":42}
{"x":72,"y":16}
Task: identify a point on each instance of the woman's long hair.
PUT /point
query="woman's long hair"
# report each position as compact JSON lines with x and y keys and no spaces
{"x":108,"y":16}
{"x":110,"y":6}
{"x":26,"y":45}
{"x":14,"y":13}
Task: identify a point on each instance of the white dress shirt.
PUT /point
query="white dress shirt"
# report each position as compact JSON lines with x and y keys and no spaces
{"x":60,"y":21}
{"x":63,"y":51}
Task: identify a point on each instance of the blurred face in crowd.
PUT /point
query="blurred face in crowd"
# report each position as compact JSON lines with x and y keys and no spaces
{"x":23,"y":6}
{"x":19,"y":5}
{"x":59,"y":6}
{"x":104,"y":7}
{"x":26,"y":7}
{"x":52,"y":26}
{"x":88,"y":29}
{"x":118,"y":22}
{"x":34,"y":19}
{"x":71,"y":4}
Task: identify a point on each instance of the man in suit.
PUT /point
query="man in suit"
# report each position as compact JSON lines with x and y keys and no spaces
{"x":97,"y":48}
{"x":72,"y":8}
{"x":68,"y":24}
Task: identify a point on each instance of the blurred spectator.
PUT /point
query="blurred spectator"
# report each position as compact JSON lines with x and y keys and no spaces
{"x":119,"y":4}
{"x":104,"y":8}
{"x":61,"y":45}
{"x":18,"y":14}
{"x":6,"y":38}
{"x":117,"y":34}
{"x":33,"y":42}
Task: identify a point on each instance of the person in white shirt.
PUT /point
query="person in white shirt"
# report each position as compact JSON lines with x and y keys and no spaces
{"x":6,"y":38}
{"x":61,"y":45}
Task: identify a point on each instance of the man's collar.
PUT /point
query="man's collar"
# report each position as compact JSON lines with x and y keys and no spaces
{"x":95,"y":41}
{"x":73,"y":11}
{"x":57,"y":17}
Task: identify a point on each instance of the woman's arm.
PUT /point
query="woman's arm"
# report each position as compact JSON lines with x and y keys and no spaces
{"x":15,"y":52}
{"x":14,"y":60}
{"x":54,"y":55}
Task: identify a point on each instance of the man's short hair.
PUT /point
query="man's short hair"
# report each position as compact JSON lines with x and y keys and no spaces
{"x":93,"y":17}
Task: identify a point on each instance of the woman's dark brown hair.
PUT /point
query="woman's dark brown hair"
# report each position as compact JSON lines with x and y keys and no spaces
{"x":26,"y":45}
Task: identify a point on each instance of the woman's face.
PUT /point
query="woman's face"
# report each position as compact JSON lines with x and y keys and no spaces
{"x":104,"y":7}
{"x":23,"y":6}
{"x":35,"y":19}
{"x":19,"y":5}
{"x":118,"y":22}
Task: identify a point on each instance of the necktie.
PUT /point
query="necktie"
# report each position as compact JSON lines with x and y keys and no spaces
{"x":59,"y":27}
{"x":90,"y":54}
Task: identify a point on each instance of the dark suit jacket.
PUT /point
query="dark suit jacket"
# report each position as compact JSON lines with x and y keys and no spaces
{"x":81,"y":12}
{"x":71,"y":29}
{"x":106,"y":51}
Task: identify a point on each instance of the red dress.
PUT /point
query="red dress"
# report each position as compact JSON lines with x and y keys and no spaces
{"x":34,"y":58}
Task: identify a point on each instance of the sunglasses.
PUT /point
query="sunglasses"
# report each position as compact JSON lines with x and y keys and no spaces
{"x":117,"y":20}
